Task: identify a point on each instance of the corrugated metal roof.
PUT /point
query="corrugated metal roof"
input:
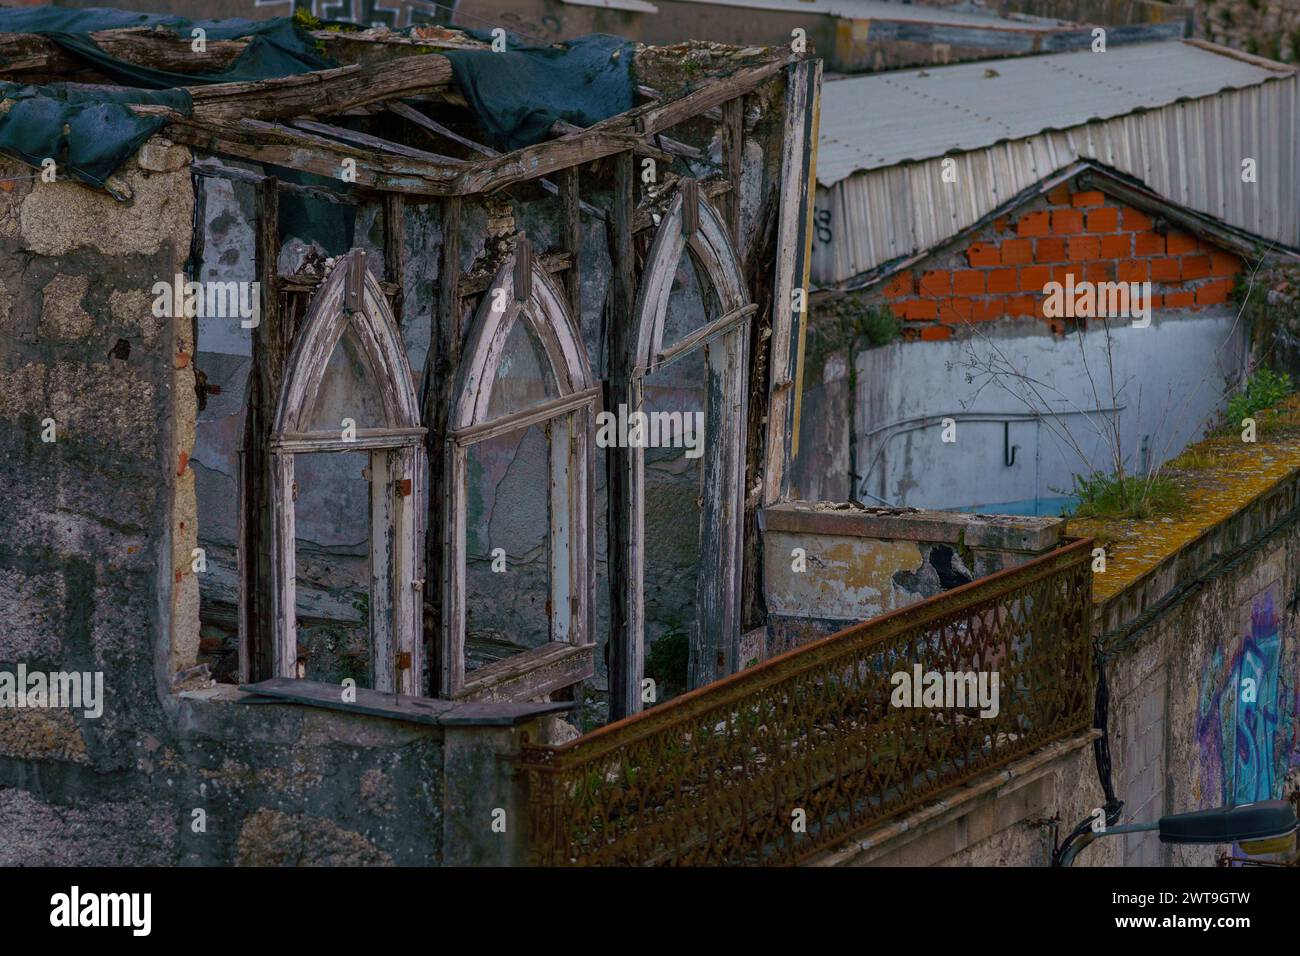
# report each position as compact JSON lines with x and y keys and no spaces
{"x":1188,"y":150}
{"x":870,"y":122}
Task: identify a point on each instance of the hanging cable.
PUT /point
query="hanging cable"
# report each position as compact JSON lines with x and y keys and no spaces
{"x":1101,"y":755}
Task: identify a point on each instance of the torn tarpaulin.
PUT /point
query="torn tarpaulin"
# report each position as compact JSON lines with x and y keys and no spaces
{"x":518,"y":94}
{"x":276,"y":47}
{"x":87,"y":130}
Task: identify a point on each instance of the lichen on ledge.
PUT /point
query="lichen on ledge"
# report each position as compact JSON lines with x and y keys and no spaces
{"x":1224,"y":475}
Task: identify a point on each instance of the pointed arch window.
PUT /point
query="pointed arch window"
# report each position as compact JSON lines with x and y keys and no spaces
{"x":349,"y":326}
{"x":692,"y":307}
{"x":525,"y":372}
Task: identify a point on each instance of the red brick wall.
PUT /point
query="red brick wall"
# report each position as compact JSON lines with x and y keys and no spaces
{"x":1000,"y":272}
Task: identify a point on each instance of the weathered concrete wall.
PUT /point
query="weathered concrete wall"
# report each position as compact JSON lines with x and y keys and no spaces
{"x":827,"y":566}
{"x":1002,"y":818}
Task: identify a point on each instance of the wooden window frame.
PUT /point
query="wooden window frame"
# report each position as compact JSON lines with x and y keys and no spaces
{"x":350,"y":297}
{"x":715,"y":641}
{"x":530,"y":295}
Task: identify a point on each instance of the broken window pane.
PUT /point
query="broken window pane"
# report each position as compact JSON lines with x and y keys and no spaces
{"x":348,"y":389}
{"x":693,"y":302}
{"x":507,"y":539}
{"x":332,"y":566}
{"x":524,"y":378}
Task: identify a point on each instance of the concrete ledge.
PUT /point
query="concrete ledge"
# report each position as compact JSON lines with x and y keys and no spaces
{"x":849,"y":519}
{"x":419,"y":710}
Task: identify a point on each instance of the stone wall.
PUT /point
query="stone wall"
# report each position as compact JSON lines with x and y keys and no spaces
{"x":1268,"y":28}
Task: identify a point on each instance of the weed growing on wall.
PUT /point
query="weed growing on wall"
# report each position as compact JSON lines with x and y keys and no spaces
{"x":1262,"y":390}
{"x":1127,"y":496}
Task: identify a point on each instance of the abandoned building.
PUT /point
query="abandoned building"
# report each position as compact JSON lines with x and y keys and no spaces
{"x":322,"y":356}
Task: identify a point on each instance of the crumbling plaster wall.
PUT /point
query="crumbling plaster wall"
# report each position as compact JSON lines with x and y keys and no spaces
{"x":829,"y":566}
{"x":96,"y":572}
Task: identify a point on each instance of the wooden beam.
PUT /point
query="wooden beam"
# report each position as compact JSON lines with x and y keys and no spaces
{"x":733,"y":150}
{"x":303,"y":282}
{"x":442,"y":363}
{"x":657,"y":117}
{"x":794,"y":238}
{"x":480,"y":280}
{"x":394,"y":244}
{"x":430,"y":125}
{"x":322,"y":92}
{"x":626,"y":663}
{"x":237,"y":175}
{"x":255,"y":139}
{"x":278,"y":145}
{"x":654,"y":96}
{"x":159,"y":49}
{"x":270,"y":349}
{"x":571,"y":239}
{"x":372,"y":142}
{"x":533,"y":162}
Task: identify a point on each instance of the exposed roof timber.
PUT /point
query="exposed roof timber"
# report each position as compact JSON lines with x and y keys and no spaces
{"x":654,"y":96}
{"x":164,"y":50}
{"x":322,"y":92}
{"x":413,"y":115}
{"x":160,"y":49}
{"x":655,"y":117}
{"x":211,"y":169}
{"x":374,"y":142}
{"x":214,"y":127}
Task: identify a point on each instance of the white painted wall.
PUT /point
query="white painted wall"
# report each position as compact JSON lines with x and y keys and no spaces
{"x":1170,"y":379}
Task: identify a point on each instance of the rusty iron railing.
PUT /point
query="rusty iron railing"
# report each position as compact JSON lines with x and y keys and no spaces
{"x":718,"y":776}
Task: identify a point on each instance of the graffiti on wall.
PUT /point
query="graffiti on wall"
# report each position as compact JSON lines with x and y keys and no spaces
{"x":1246,"y":723}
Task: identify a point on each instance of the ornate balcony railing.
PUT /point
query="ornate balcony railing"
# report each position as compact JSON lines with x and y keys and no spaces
{"x":795,"y":755}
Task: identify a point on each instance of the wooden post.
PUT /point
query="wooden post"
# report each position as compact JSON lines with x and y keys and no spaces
{"x":571,"y":239}
{"x":441,"y":365}
{"x":270,"y":349}
{"x":794,"y":240}
{"x":733,"y":154}
{"x":394,"y":238}
{"x":625,"y":651}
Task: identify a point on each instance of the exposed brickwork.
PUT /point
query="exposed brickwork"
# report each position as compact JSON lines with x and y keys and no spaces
{"x":1000,"y":271}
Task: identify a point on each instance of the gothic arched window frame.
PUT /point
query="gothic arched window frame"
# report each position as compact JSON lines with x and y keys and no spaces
{"x":350,"y":298}
{"x":523,"y":291}
{"x":691,"y":225}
